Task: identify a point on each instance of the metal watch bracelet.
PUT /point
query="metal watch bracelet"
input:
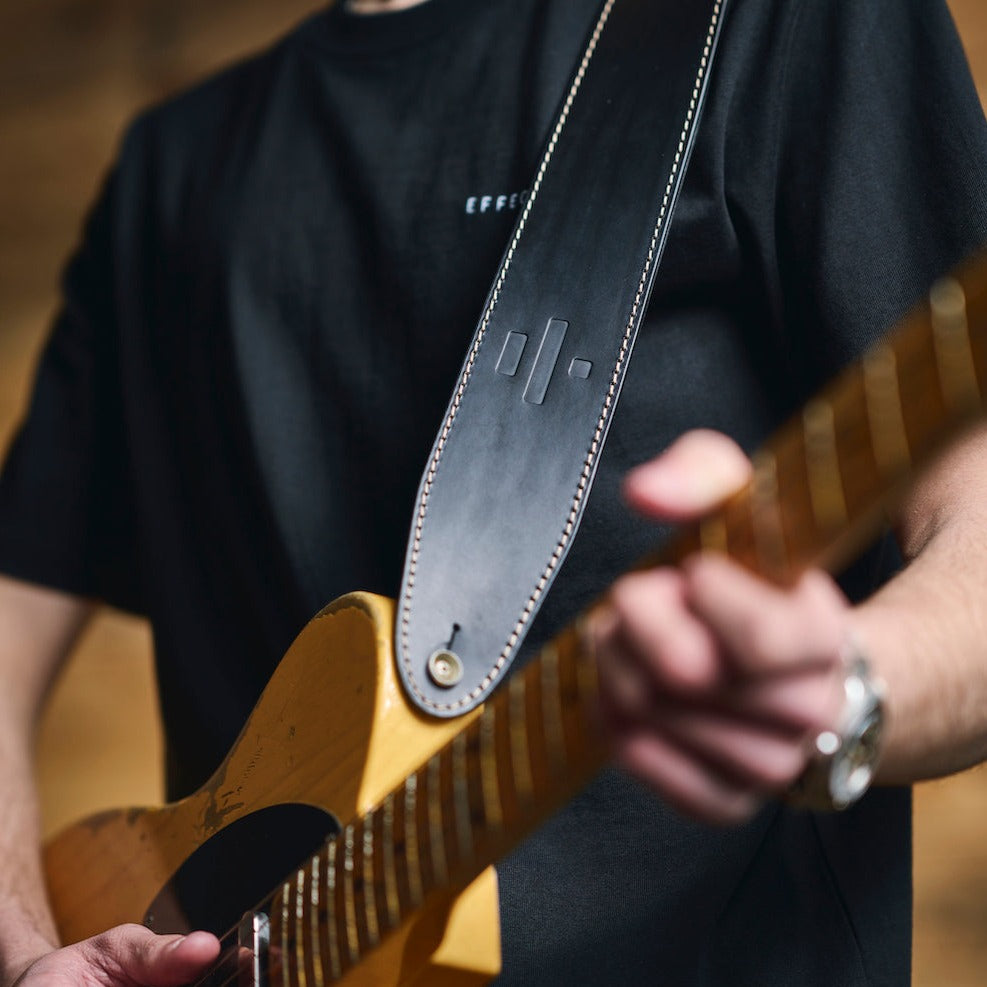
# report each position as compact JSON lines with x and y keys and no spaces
{"x":845,"y":758}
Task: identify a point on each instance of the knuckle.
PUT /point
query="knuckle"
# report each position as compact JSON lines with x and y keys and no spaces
{"x":763,"y":639}
{"x":99,"y":953}
{"x":817,"y":589}
{"x":102,"y":944}
{"x":110,"y":950}
{"x":623,"y":689}
{"x":691,"y":667}
{"x":657,"y":632}
{"x":653,"y":588}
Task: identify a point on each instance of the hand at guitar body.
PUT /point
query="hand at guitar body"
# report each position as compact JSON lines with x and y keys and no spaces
{"x":714,"y":681}
{"x":127,"y":956}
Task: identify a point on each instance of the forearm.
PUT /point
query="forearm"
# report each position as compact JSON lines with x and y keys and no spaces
{"x":27,"y":928}
{"x":37,"y":628}
{"x":124,"y":956}
{"x":926,"y":633}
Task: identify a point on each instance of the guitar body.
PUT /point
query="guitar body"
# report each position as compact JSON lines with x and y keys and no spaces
{"x":331,"y":735}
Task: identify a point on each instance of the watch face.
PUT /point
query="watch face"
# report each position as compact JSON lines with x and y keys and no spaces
{"x":853,"y":767}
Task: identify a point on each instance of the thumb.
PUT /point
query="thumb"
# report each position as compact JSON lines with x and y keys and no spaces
{"x":136,"y":955}
{"x":693,"y":475}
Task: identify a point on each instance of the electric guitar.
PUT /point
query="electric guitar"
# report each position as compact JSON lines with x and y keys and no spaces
{"x":376,"y":826}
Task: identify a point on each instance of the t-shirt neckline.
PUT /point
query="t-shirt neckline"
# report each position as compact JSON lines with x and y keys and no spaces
{"x":346,"y":31}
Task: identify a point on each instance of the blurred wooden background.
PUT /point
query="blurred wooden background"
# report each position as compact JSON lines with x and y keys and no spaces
{"x":71,"y":73}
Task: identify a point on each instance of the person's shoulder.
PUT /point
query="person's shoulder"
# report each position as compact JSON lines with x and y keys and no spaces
{"x":875,"y":23}
{"x":209,"y":112}
{"x":818,"y":21}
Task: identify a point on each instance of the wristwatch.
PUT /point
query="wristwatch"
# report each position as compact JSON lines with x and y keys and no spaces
{"x":845,"y":758}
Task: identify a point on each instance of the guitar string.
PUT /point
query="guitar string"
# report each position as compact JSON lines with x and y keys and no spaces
{"x":228,"y":952}
{"x":481,"y":758}
{"x":229,"y":941}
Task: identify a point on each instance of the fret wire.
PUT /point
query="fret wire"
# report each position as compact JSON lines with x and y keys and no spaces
{"x":440,"y":870}
{"x":823,"y":465}
{"x":518,"y":734}
{"x":541,"y":774}
{"x":315,"y":904}
{"x":412,"y":855}
{"x":489,"y":779}
{"x":579,"y":688}
{"x":391,"y":896}
{"x":882,"y":397}
{"x":587,"y":683}
{"x":285,"y":912}
{"x":476,"y":808}
{"x":369,"y":892}
{"x":551,"y":695}
{"x":951,"y":339}
{"x":460,"y":785}
{"x":332,"y":927}
{"x":352,"y":933}
{"x":713,"y":536}
{"x":769,"y":540}
{"x":300,"y":956}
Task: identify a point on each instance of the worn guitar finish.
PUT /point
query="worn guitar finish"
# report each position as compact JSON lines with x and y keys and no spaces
{"x":424,"y":806}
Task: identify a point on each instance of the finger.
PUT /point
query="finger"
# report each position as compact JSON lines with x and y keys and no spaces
{"x":684,"y":781}
{"x":694,"y":474}
{"x":765,"y":629}
{"x":802,"y":702}
{"x":134,"y":954}
{"x":652,"y":628}
{"x":625,"y":691}
{"x":754,"y":755}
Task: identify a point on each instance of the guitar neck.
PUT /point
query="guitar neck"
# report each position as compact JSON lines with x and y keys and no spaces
{"x":821,"y":487}
{"x":528,"y":751}
{"x":828,"y":480}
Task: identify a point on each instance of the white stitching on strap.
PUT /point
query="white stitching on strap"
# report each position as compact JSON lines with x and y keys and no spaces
{"x":608,"y":403}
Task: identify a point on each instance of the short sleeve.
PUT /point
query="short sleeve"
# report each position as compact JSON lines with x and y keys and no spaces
{"x":882,"y":171}
{"x":855,"y":172}
{"x":65,"y":499}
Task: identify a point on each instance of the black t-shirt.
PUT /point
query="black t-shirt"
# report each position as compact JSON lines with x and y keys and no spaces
{"x":263,"y":324}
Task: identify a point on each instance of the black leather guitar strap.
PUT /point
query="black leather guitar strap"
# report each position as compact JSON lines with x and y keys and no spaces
{"x":511,"y":468}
